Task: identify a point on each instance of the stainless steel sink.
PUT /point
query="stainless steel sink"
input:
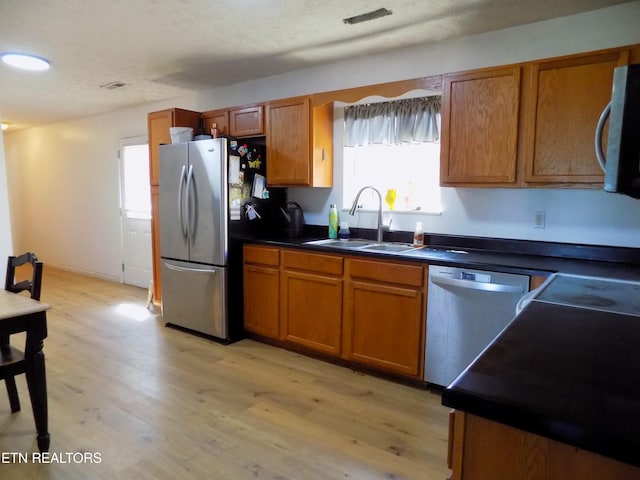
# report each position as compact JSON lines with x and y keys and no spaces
{"x":351,"y":243}
{"x":372,"y":246}
{"x":389,"y":247}
{"x":364,"y":245}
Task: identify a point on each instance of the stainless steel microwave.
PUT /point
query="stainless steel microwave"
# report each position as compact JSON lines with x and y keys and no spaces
{"x":621,"y":164}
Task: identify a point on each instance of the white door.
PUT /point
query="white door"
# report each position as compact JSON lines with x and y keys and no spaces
{"x":135,"y":212}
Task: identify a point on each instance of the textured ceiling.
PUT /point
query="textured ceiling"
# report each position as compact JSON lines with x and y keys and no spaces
{"x":166,"y":48}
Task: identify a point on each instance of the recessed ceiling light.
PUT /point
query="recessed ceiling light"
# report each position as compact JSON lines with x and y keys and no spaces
{"x":5,"y":125}
{"x":26,"y":62}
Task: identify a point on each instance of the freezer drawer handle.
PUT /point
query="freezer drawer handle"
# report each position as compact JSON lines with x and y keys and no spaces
{"x":483,"y":286}
{"x":187,"y":269}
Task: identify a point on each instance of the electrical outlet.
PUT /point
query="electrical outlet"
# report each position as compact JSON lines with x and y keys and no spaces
{"x":539,"y":219}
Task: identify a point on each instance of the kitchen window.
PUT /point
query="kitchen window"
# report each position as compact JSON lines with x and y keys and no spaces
{"x":395,"y":147}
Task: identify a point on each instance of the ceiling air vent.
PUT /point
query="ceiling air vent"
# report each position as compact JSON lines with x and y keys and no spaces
{"x":365,"y":17}
{"x":113,"y":85}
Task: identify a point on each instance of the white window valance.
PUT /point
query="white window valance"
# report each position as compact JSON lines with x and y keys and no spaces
{"x":391,"y":123}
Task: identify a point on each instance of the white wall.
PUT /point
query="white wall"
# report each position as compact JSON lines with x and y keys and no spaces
{"x":64,"y":186}
{"x":6,"y":243}
{"x":66,"y":205}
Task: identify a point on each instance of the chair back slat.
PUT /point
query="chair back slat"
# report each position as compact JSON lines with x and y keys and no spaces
{"x":33,"y":286}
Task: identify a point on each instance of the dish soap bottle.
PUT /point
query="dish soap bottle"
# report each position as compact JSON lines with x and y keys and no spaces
{"x":333,"y":221}
{"x":418,"y":235}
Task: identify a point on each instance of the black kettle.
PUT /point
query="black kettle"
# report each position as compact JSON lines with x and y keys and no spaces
{"x":294,"y":219}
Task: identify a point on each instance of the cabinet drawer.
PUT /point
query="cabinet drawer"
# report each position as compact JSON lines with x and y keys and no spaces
{"x":411,"y":275}
{"x":262,"y":255}
{"x":312,"y":261}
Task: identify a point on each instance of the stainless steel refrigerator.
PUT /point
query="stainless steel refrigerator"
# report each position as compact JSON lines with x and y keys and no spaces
{"x":194,"y":235}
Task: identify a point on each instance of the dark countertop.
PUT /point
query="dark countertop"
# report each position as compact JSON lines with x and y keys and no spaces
{"x":566,"y":373}
{"x":500,"y":255}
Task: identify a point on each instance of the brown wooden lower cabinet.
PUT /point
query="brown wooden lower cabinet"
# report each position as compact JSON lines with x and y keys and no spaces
{"x":262,"y":290}
{"x":384,"y":315}
{"x":261,"y":300}
{"x":311,"y":290}
{"x":480,"y":449}
{"x":365,"y":311}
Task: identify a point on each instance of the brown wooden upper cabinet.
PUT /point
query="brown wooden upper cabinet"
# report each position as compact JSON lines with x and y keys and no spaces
{"x":531,"y":124}
{"x":565,"y":99}
{"x":480,"y":126}
{"x":299,"y":143}
{"x":218,"y":117}
{"x":247,"y":121}
{"x":237,"y":122}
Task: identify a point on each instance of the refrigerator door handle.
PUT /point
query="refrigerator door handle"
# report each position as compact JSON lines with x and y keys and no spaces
{"x":188,"y":269}
{"x":190,"y":220}
{"x":183,"y":179}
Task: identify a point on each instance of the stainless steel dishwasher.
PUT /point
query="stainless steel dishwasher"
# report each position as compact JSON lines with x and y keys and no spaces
{"x":466,"y":310}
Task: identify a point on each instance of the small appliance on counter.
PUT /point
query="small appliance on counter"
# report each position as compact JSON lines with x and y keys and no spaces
{"x":293,"y":218}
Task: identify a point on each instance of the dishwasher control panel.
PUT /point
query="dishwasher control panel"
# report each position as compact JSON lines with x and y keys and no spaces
{"x":475,"y":276}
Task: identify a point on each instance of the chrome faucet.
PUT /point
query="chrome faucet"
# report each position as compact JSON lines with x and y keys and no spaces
{"x":352,"y":211}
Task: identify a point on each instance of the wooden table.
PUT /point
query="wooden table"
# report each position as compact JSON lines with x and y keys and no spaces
{"x":19,"y":313}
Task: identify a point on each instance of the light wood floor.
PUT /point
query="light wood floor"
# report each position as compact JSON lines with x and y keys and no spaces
{"x":157,"y":403}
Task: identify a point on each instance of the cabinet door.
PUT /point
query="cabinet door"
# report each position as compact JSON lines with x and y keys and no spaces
{"x":322,"y":146}
{"x":220,"y":118}
{"x":158,"y":124}
{"x":480,"y":127}
{"x":312,"y":310}
{"x":288,"y":142}
{"x":247,"y":122}
{"x":383,"y":326}
{"x":565,"y":99}
{"x":155,"y":243}
{"x":486,"y":449}
{"x":262,"y":300}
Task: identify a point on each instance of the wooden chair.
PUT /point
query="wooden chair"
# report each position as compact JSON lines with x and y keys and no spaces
{"x":13,"y":363}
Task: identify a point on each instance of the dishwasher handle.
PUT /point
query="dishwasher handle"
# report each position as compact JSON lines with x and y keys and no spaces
{"x":483,"y":286}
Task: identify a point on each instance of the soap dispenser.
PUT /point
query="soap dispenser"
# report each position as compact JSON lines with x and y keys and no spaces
{"x":418,"y":235}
